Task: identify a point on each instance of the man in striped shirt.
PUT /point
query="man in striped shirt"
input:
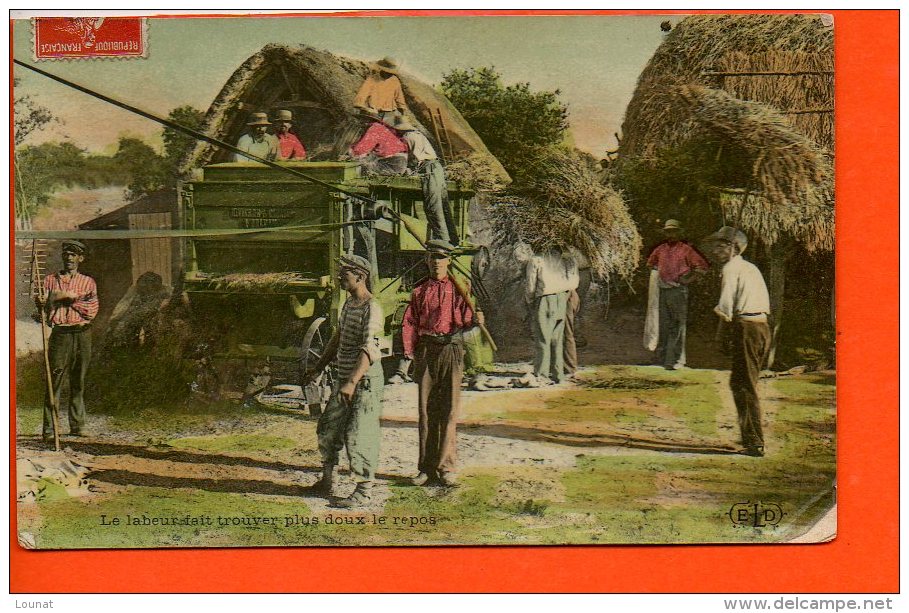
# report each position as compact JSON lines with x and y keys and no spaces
{"x":351,"y":418}
{"x":70,"y":307}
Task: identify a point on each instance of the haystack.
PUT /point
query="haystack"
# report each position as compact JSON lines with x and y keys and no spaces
{"x":741,"y":109}
{"x":732,"y":124}
{"x":320,"y":88}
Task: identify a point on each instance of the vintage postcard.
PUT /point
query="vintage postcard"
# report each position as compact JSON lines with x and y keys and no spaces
{"x":415,"y":281}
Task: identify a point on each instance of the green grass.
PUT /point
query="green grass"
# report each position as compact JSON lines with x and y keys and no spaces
{"x":621,"y":497}
{"x":798,"y":473}
{"x":235,"y":443}
{"x":411,"y":516}
{"x":628,"y":396}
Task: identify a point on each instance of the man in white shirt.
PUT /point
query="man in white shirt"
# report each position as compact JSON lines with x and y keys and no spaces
{"x":745,"y":303}
{"x":257,"y":140}
{"x":550,"y":276}
{"x":423,"y":160}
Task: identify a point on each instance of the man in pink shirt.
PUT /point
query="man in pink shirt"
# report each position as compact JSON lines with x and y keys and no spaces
{"x":677,"y":262}
{"x":380,"y":149}
{"x":432,"y":327}
{"x":290,"y":147}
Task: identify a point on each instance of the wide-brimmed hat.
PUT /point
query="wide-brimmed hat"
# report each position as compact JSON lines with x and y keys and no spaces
{"x":74,"y":246}
{"x":354,"y":261}
{"x":439,"y":246}
{"x":283,"y":115}
{"x":728,"y":234}
{"x":258,"y":119}
{"x":401,"y":124}
{"x":386,"y":64}
{"x":672,"y":224}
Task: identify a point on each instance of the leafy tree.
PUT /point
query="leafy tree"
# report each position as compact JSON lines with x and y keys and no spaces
{"x":517,"y":124}
{"x":29,"y":116}
{"x":177,"y":143}
{"x":148,"y":171}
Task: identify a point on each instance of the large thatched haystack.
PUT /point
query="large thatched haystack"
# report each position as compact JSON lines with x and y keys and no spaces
{"x":732,"y":121}
{"x":732,"y":124}
{"x":320,"y":88}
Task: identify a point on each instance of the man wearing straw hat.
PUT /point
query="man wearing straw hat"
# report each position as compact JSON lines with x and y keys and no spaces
{"x":432,"y":335}
{"x":677,"y":263}
{"x":290,"y":147}
{"x":745,"y":303}
{"x":257,"y":140}
{"x":381,"y":92}
{"x":71,"y":306}
{"x":351,"y":418}
{"x":423,"y":160}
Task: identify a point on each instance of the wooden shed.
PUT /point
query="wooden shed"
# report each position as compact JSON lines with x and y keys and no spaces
{"x":116,"y":264}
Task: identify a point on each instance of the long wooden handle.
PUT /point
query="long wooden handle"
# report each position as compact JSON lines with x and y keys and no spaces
{"x":48,"y":376}
{"x":462,"y":290}
{"x":41,"y":295}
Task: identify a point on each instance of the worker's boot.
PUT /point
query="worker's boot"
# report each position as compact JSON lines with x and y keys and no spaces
{"x":323,"y":486}
{"x":360,"y":497}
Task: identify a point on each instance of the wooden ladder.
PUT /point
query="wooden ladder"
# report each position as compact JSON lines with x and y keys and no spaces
{"x":446,"y":151}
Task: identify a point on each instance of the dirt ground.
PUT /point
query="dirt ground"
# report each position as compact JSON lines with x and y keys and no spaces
{"x":577,"y":462}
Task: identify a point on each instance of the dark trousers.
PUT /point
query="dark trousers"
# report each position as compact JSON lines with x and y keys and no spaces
{"x":571,"y":345}
{"x":69,"y":353}
{"x":438,"y":369}
{"x":750,"y":343}
{"x":673,"y":322}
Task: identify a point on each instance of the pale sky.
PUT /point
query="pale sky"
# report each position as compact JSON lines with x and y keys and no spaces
{"x":593,"y":60}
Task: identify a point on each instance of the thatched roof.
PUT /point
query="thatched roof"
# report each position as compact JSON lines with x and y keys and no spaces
{"x":752,"y":97}
{"x":320,"y":88}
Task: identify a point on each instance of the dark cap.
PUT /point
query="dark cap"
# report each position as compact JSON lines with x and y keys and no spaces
{"x":356,"y":262}
{"x":437,"y":245}
{"x":74,"y":245}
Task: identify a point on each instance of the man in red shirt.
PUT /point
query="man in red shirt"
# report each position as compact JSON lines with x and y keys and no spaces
{"x":70,"y":307}
{"x":380,"y":148}
{"x":290,"y":147}
{"x":432,"y":327}
{"x":677,"y":262}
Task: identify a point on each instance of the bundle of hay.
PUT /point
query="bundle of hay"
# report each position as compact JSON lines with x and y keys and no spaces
{"x":784,"y":183}
{"x":564,"y":204}
{"x":477,"y":171}
{"x":246,"y":282}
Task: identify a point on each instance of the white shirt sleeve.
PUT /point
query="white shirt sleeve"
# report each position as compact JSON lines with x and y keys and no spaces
{"x":531,"y":272}
{"x":725,"y":307}
{"x":373,"y":333}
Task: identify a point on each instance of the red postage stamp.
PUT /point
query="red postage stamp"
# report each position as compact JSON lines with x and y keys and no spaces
{"x":89,"y":37}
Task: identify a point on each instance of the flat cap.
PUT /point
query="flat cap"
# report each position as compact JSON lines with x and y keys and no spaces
{"x":356,"y":262}
{"x":730,"y":235}
{"x":437,"y":245}
{"x":74,"y":245}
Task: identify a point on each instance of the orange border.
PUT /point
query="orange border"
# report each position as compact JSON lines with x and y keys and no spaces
{"x":863,"y":558}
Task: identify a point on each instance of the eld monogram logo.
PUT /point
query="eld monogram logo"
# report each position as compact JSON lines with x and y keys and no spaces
{"x":755,"y":514}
